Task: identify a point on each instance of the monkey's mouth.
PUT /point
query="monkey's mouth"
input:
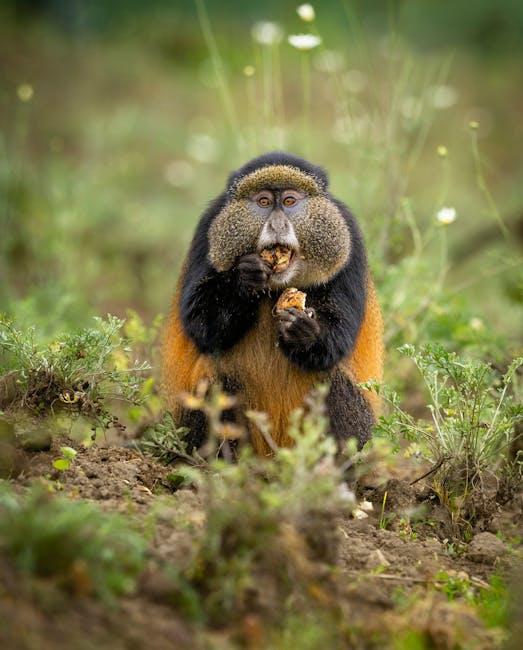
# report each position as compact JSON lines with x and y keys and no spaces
{"x":279,"y":257}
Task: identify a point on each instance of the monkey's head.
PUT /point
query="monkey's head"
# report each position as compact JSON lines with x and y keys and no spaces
{"x":281,"y":199}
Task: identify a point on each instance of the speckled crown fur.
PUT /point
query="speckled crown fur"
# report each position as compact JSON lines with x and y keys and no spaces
{"x":275,"y":177}
{"x":277,"y":169}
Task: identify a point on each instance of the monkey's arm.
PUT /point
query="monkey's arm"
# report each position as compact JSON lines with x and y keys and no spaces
{"x":218,"y":308}
{"x":314,"y":342}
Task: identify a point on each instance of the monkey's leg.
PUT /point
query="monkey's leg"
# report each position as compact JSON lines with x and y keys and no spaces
{"x":350,"y":414}
{"x":196,"y":421}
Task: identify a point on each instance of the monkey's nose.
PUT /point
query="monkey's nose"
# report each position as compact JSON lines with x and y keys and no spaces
{"x":279,"y":224}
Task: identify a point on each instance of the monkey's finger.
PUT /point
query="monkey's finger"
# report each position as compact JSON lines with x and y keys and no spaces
{"x":253,"y":262}
{"x":303,"y":317}
{"x":290,"y":314}
{"x":285,"y":326}
{"x":286,"y":317}
{"x":305,"y":327}
{"x":253,"y":273}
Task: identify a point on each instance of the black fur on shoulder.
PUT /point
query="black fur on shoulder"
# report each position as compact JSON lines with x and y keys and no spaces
{"x":339,"y":305}
{"x":215,"y":312}
{"x":279,"y":158}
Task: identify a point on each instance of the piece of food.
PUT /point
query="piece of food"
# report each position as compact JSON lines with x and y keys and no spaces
{"x":278,"y":257}
{"x":291,"y":298}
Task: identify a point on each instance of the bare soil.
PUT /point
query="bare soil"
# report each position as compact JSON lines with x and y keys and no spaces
{"x":387,"y":567}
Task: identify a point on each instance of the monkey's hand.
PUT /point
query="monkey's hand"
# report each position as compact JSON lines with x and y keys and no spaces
{"x":253,"y":273}
{"x":297,"y":327}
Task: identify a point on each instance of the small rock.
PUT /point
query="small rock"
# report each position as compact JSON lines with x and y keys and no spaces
{"x":485,"y":548}
{"x":104,"y":493}
{"x":376,"y":559}
{"x":359,"y":514}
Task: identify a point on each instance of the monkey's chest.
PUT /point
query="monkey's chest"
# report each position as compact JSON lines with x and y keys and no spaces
{"x":269,"y":381}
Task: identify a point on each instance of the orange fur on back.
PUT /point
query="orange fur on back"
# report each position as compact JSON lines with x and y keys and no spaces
{"x":366,"y":361}
{"x":183,"y":365}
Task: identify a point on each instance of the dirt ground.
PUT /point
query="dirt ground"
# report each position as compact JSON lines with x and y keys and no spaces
{"x":387,"y":567}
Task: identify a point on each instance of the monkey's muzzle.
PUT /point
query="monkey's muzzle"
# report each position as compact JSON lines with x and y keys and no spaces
{"x":279,"y":257}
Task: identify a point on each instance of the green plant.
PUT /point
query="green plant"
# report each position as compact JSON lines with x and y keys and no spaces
{"x":475,"y":410}
{"x":79,"y":373}
{"x":63,"y":463}
{"x":75,"y":544}
{"x":270,"y":525}
{"x":454,"y":585}
{"x":493,"y":604}
{"x":165,"y":441}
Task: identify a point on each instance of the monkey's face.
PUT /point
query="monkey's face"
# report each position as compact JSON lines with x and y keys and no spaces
{"x":296,"y":216}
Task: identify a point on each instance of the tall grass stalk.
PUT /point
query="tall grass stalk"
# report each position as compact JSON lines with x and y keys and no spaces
{"x":482,"y":182}
{"x":219,"y":70}
{"x":306,"y":87}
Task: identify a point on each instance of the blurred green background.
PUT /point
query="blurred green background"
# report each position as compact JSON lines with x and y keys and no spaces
{"x":120,"y":121}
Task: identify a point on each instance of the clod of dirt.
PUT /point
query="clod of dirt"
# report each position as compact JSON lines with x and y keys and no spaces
{"x":36,"y":440}
{"x":485,"y":548}
{"x":376,"y":560}
{"x":400,"y":495}
{"x":12,"y":459}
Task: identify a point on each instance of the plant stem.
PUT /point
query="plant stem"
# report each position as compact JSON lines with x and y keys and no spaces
{"x":306,"y":82}
{"x":482,"y":184}
{"x":219,"y":70}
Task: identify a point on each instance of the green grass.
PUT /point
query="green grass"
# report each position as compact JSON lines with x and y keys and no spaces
{"x":79,"y":372}
{"x":72,"y":543}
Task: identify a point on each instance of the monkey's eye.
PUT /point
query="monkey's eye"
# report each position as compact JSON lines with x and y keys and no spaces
{"x":289,"y":201}
{"x":264,"y":202}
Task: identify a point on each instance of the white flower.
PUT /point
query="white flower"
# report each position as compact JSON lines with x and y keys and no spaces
{"x":304,"y":41}
{"x":306,"y":12}
{"x":476,"y":323}
{"x":446,"y":215}
{"x":267,"y":33}
{"x":443,"y":96}
{"x":24,"y":92}
{"x":178,"y":173}
{"x":202,"y":147}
